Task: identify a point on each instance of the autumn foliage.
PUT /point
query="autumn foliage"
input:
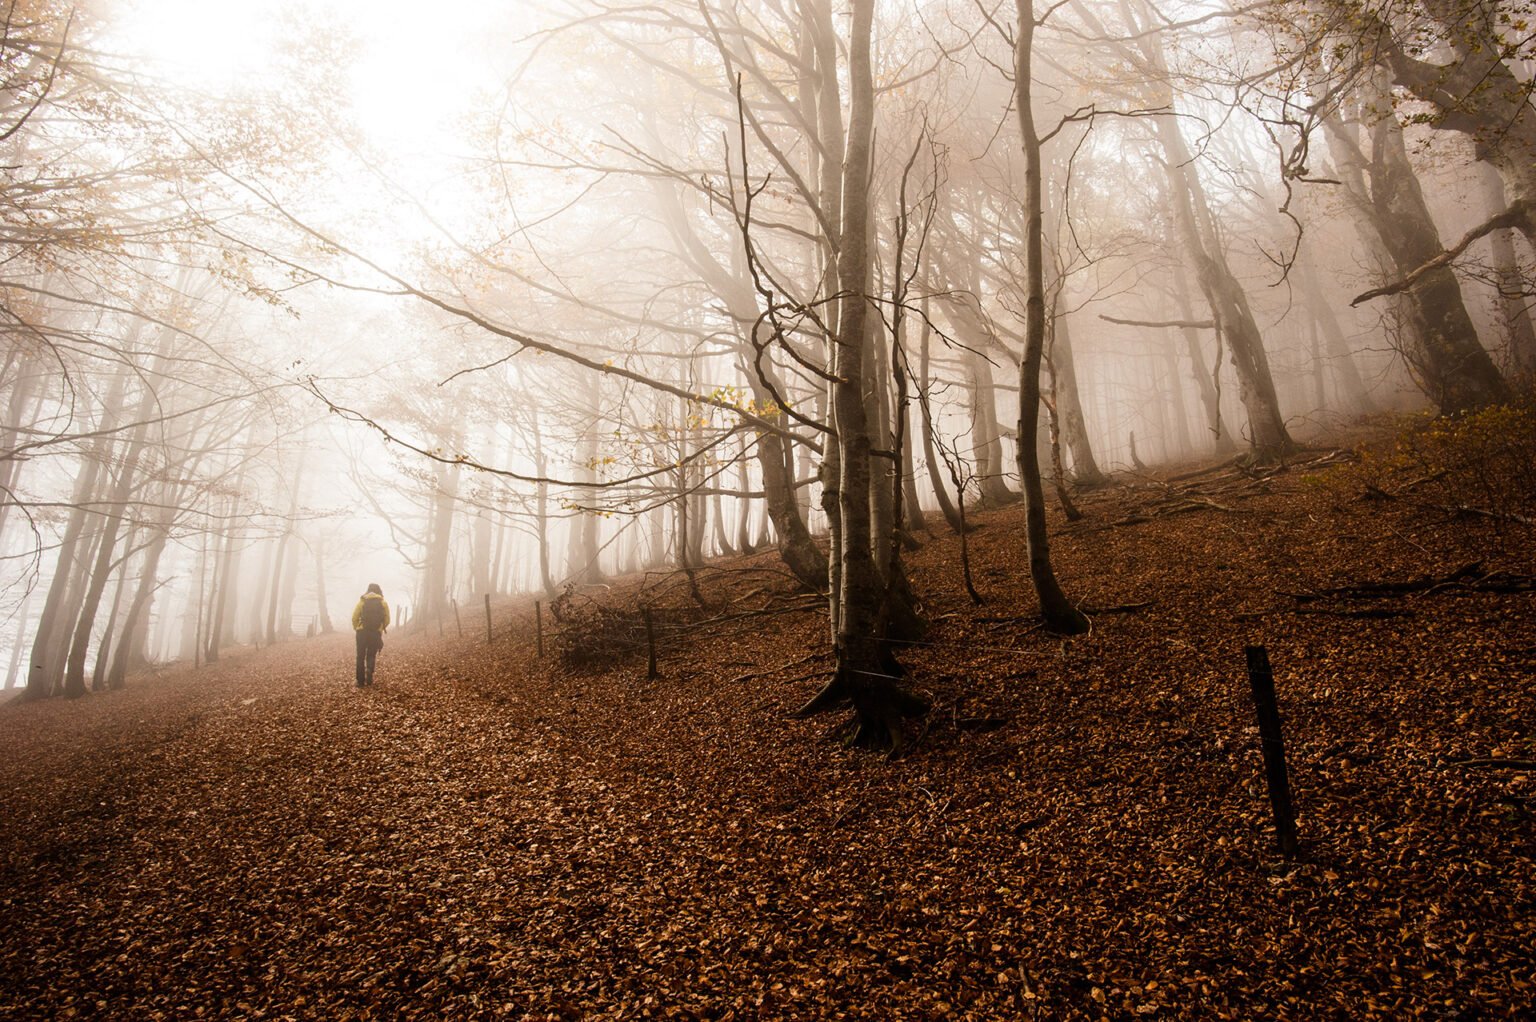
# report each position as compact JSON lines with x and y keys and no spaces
{"x":1477,"y":465}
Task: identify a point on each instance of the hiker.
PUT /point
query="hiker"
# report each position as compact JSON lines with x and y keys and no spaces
{"x":370,"y":620}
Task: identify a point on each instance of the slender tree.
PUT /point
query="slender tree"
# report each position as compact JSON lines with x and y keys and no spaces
{"x":1057,"y":611}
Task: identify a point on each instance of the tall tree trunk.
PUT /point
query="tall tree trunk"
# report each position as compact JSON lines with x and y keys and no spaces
{"x":436,"y":567}
{"x":882,"y":469}
{"x":321,"y":603}
{"x":914,"y":520}
{"x":1207,"y":377}
{"x":226,"y":577}
{"x":480,"y":554}
{"x":1513,"y":301}
{"x":744,"y":505}
{"x":50,"y":644}
{"x":279,"y":608}
{"x":199,"y":635}
{"x":682,"y":527}
{"x":1085,"y":468}
{"x":986,"y":434}
{"x":130,"y":651}
{"x":278,"y":584}
{"x":255,"y":629}
{"x":865,"y":670}
{"x":289,"y":590}
{"x":1228,"y":303}
{"x":697,"y":511}
{"x":582,"y":552}
{"x":1438,"y":340}
{"x":117,"y":513}
{"x":1340,"y":358}
{"x":723,"y":543}
{"x":930,"y":455}
{"x":104,"y":649}
{"x":979,"y":337}
{"x":13,"y":672}
{"x":1058,"y":612}
{"x":21,"y":407}
{"x":1176,"y":394}
{"x":799,"y":551}
{"x":831,"y":198}
{"x":500,"y":582}
{"x":1319,"y":376}
{"x":656,"y":538}
{"x":541,"y":509}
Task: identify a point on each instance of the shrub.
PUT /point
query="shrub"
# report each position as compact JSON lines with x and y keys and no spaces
{"x":591,"y":633}
{"x":1480,"y":463}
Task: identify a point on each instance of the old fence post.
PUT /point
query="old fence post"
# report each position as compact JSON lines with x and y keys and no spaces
{"x":651,"y":673}
{"x":487,"y":618}
{"x":457,"y":621}
{"x":1272,"y":742}
{"x":538,"y":625}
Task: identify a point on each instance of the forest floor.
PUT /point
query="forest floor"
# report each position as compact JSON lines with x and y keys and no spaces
{"x":1080,"y":828}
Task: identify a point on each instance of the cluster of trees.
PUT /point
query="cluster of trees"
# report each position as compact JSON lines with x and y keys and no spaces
{"x":789,"y":270}
{"x":139,"y":439}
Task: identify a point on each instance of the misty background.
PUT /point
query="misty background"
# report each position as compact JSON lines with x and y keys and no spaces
{"x":496,"y":298}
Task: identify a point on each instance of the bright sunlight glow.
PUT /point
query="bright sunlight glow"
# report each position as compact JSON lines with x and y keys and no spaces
{"x":414,"y":71}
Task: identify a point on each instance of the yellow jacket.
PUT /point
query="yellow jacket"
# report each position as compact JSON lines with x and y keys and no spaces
{"x":357,"y":613}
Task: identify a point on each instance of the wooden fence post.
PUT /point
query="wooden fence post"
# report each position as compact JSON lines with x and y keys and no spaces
{"x":457,"y":621}
{"x":487,"y":619}
{"x":538,"y":625}
{"x":651,"y":673}
{"x":1272,"y":741}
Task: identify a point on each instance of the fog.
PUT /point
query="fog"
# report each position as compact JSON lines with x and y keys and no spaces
{"x":500,"y":298}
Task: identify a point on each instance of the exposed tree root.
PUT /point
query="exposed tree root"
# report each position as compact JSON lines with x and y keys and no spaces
{"x":1184,"y":506}
{"x":818,"y":655}
{"x":1119,"y":608}
{"x":1467,"y":577}
{"x":1455,"y":510}
{"x":1471,"y":571}
{"x":1505,"y":764}
{"x":980,"y":725}
{"x":1372,"y":612}
{"x":1210,"y":470}
{"x":1498,"y":764}
{"x":880,"y":707}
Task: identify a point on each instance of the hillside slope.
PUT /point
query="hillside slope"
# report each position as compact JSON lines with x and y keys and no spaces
{"x":1081,"y":828}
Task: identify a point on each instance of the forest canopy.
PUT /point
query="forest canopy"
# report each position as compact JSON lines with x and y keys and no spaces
{"x":521,"y":297}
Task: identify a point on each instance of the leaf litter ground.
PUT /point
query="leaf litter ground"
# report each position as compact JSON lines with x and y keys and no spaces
{"x":1079,"y":830}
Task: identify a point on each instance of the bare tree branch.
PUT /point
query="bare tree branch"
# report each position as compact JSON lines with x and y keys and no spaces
{"x":1517,"y":212}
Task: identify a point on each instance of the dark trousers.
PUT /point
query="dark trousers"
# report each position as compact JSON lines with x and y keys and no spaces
{"x":368,"y":645}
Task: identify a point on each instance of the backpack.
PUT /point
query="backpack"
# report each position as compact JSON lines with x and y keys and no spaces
{"x":372,"y":616}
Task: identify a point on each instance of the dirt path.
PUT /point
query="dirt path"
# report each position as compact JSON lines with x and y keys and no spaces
{"x":260,"y":839}
{"x":260,"y":829}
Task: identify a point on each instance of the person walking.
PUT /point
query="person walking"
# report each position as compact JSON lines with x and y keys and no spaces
{"x":370,"y":620}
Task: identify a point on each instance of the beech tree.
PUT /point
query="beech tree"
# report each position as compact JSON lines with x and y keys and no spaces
{"x":1439,"y":339}
{"x":1059,"y":613}
{"x":1353,"y":75}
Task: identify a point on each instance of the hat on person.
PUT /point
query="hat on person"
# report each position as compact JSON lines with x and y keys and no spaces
{"x":373,"y":587}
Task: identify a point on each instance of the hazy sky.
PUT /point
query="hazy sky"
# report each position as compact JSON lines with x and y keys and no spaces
{"x":418,"y":67}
